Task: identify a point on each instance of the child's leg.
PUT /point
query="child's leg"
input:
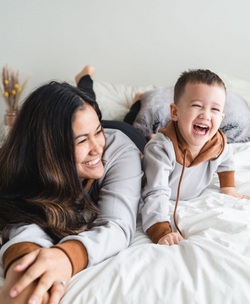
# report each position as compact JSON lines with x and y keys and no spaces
{"x":134,"y":110}
{"x":84,"y":80}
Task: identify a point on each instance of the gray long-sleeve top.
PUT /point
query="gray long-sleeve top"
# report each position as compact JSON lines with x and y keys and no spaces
{"x":116,"y":193}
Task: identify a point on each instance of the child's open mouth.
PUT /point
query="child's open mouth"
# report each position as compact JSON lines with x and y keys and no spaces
{"x":200,"y":129}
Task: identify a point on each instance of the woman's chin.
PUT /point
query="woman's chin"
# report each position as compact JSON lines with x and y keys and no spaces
{"x":95,"y":174}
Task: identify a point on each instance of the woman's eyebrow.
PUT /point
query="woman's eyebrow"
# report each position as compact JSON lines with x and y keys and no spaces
{"x":86,"y":134}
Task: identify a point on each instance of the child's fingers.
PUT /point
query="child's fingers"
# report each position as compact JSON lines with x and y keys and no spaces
{"x":163,"y":241}
{"x":180,"y":238}
{"x":246,"y":196}
{"x":171,"y":239}
{"x":27,"y":260}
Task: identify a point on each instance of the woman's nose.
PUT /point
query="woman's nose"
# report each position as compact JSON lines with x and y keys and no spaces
{"x":95,"y":147}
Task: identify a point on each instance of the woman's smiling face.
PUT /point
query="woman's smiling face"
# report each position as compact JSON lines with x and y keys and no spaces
{"x":89,"y":143}
{"x":199,"y":113}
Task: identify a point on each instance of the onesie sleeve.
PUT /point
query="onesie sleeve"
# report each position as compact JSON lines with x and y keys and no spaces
{"x":226,"y":169}
{"x":158,"y":163}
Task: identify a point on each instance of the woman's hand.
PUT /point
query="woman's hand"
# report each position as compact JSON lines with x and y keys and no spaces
{"x":170,"y":239}
{"x":11,"y":278}
{"x":49,"y":266}
{"x":232,"y":192}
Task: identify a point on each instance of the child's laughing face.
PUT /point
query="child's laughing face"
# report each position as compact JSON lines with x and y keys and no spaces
{"x":199,"y":113}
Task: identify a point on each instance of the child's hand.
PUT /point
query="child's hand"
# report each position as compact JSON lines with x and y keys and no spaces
{"x":170,"y":239}
{"x":232,"y":192}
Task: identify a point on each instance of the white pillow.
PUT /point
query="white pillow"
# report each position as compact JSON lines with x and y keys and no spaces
{"x":115,"y":100}
{"x":237,"y":85}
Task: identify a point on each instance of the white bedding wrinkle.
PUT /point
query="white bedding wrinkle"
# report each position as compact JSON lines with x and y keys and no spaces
{"x":210,"y":266}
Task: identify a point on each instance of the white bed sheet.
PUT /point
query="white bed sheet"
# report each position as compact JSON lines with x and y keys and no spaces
{"x":211,"y":266}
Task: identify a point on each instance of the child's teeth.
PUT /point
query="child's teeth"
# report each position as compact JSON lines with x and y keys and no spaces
{"x":202,"y":126}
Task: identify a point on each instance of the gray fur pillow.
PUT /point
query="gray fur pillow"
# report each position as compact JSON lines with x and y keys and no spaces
{"x":155,"y":114}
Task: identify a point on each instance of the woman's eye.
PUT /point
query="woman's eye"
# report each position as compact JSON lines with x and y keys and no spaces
{"x":82,"y":141}
{"x":99,"y":132}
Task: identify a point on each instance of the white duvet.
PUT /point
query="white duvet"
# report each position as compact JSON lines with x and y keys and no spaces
{"x":211,"y":266}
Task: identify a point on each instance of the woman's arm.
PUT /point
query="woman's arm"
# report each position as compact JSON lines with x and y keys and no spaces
{"x":50,"y":266}
{"x":118,"y":196}
{"x":27,"y":234}
{"x":47,"y":264}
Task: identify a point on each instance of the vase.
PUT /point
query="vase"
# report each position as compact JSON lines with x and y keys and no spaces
{"x":9,"y":119}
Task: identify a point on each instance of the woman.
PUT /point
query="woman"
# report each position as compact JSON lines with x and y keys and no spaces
{"x":69,"y":193}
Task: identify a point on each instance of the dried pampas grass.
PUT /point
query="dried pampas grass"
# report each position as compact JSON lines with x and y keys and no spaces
{"x":11,"y":88}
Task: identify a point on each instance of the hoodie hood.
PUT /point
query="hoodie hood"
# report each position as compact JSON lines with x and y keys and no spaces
{"x":212,"y":149}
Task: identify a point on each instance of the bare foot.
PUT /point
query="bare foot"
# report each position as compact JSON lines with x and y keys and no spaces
{"x":152,"y":136}
{"x":137,"y":97}
{"x":88,"y":70}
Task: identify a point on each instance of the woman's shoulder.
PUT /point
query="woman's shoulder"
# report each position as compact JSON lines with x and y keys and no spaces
{"x":117,"y":142}
{"x":121,"y":158}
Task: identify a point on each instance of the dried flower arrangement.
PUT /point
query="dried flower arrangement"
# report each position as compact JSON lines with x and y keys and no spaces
{"x":11,"y":89}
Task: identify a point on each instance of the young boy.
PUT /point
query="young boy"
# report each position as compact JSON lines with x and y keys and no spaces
{"x":193,"y":137}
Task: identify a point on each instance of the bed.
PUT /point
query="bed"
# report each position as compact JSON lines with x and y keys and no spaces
{"x":211,"y":266}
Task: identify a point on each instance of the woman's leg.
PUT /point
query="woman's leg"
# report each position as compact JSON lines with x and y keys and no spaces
{"x":84,"y":82}
{"x":136,"y":136}
{"x":134,"y":110}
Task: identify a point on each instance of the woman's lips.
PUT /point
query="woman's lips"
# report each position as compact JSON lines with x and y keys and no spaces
{"x":93,"y":163}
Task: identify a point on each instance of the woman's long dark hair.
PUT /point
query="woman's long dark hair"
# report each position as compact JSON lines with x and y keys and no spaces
{"x":38,"y":177}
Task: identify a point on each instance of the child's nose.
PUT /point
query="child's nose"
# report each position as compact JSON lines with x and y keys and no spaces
{"x":205,"y":115}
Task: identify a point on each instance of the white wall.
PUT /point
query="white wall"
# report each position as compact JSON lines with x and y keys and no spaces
{"x":134,"y":42}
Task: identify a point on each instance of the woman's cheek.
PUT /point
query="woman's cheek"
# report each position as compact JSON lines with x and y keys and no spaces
{"x":80,"y":155}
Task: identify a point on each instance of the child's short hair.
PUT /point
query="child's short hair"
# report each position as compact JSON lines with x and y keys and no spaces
{"x":196,"y":76}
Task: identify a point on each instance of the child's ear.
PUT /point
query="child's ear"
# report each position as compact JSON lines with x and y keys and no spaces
{"x":223,"y":115}
{"x":173,"y":111}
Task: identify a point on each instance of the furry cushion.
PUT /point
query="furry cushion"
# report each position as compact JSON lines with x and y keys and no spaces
{"x":155,"y":114}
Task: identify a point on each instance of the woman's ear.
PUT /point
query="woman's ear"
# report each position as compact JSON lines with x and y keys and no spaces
{"x":174,"y":111}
